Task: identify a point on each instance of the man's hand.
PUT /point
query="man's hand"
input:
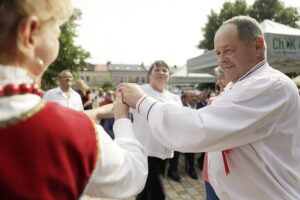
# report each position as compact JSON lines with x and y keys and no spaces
{"x":120,"y":109}
{"x":131,"y":93}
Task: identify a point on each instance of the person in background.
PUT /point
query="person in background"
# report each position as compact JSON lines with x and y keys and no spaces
{"x":251,"y":131}
{"x":108,"y":123}
{"x":202,"y":97}
{"x":202,"y":102}
{"x":190,"y":101}
{"x":108,"y":98}
{"x":158,"y":76}
{"x":64,"y":95}
{"x":221,"y":82}
{"x":99,"y":97}
{"x":49,"y":151}
{"x":85,"y":93}
{"x":173,"y":162}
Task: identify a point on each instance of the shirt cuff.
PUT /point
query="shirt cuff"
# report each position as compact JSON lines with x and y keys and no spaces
{"x":146,"y":105}
{"x":123,"y":128}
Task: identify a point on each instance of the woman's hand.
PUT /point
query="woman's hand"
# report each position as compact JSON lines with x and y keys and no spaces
{"x":120,"y":109}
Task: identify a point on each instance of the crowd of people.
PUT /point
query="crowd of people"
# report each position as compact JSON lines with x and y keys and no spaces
{"x":72,"y":142}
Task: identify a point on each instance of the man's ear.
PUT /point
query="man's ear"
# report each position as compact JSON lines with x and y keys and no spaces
{"x":259,"y":45}
{"x":26,"y":34}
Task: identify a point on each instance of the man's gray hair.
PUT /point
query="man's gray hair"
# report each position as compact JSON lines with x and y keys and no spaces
{"x":63,"y":72}
{"x":247,"y":27}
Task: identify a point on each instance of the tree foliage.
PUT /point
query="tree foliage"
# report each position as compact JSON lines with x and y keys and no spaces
{"x":70,"y":56}
{"x":107,"y":84}
{"x":260,"y":10}
{"x":133,"y":80}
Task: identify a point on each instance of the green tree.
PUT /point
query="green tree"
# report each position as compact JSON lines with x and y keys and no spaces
{"x":274,"y":10}
{"x":107,"y":84}
{"x":133,"y":80}
{"x":260,"y":10}
{"x":70,"y":56}
{"x":229,"y":10}
{"x":210,"y":29}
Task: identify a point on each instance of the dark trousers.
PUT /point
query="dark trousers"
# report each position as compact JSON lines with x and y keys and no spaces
{"x":189,"y":161}
{"x":210,"y":192}
{"x":154,"y":189}
{"x":173,"y":162}
{"x":201,"y":161}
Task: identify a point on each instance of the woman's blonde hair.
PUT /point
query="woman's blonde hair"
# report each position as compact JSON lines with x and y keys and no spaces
{"x":81,"y":85}
{"x":12,"y":12}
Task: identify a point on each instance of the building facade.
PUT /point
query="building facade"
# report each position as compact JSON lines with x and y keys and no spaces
{"x":96,"y":75}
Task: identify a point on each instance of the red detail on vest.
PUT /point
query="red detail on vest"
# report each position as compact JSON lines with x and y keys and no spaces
{"x":226,"y":166}
{"x":51,"y":155}
{"x":23,"y":88}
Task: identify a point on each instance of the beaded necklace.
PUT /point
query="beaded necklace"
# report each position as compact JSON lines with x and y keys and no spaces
{"x":23,"y":88}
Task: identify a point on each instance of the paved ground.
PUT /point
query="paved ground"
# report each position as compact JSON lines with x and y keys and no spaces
{"x":187,"y":189}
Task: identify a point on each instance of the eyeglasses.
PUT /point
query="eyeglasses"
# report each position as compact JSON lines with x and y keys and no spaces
{"x":70,"y":77}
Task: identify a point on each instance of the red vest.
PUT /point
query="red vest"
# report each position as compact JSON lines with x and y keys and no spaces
{"x":49,"y":155}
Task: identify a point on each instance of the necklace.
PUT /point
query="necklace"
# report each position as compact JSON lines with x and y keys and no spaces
{"x":23,"y":88}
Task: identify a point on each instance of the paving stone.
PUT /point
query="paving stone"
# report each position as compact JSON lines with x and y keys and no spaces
{"x":172,"y":194}
{"x":187,"y":189}
{"x":185,"y":196}
{"x":192,"y":191}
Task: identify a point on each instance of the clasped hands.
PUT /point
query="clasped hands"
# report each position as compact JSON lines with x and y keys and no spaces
{"x":131,"y":93}
{"x":127,"y":95}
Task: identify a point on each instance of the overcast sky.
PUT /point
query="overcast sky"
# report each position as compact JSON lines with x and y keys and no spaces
{"x":136,"y":31}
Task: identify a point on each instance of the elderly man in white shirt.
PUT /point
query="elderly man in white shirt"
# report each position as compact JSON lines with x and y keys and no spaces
{"x":64,"y":95}
{"x":251,"y":130}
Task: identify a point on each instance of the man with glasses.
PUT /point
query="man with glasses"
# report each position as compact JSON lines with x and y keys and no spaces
{"x":64,"y":94}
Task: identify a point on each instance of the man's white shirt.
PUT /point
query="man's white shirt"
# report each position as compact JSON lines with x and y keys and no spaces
{"x":57,"y":95}
{"x":257,"y":118}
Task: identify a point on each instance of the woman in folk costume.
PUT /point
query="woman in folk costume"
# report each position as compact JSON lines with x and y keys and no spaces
{"x":48,"y":151}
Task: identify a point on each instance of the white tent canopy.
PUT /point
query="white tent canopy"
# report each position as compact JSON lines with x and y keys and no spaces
{"x":283,"y":46}
{"x":181,"y":77}
{"x":269,"y":26}
{"x":283,"y":50}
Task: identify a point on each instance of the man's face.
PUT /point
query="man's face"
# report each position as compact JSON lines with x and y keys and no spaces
{"x":202,"y":97}
{"x":235,"y":57}
{"x":109,"y":95}
{"x":191,"y":98}
{"x":222,"y":81}
{"x":65,"y":79}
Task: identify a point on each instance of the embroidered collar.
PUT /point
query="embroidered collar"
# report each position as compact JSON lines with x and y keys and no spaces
{"x":253,"y":69}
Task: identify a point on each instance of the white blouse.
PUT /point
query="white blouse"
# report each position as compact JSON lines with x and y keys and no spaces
{"x":142,"y":130}
{"x":122,"y":167}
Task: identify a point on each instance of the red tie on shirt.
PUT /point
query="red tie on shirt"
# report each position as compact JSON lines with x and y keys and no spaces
{"x":226,"y":166}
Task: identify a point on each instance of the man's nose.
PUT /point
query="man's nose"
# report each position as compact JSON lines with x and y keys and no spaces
{"x":222,"y":59}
